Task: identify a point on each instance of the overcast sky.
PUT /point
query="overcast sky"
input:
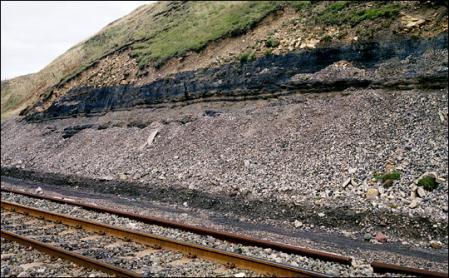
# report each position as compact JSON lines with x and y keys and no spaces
{"x":35,"y":33}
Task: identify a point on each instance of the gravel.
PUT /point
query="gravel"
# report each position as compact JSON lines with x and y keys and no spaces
{"x":297,"y":150}
{"x":358,"y":268}
{"x":20,"y":261}
{"x":127,"y":255}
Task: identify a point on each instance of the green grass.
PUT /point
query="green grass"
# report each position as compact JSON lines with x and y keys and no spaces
{"x":200,"y":23}
{"x":171,"y":29}
{"x":271,"y":42}
{"x":327,"y":39}
{"x":353,"y":13}
{"x":387,"y":11}
{"x":393,"y":175}
{"x":429,"y":183}
{"x":247,"y":56}
{"x":337,"y":6}
{"x":268,"y":52}
{"x":300,"y":5}
{"x":13,"y":94}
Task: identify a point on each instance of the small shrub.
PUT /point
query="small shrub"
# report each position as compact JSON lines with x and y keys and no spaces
{"x":393,"y":175}
{"x":326,"y":39}
{"x":429,"y":183}
{"x":271,"y":42}
{"x":247,"y":56}
{"x":387,"y":11}
{"x":300,"y":5}
{"x":337,"y":6}
{"x":268,"y":52}
{"x":332,"y":14}
{"x":392,"y":205}
{"x":366,"y":34}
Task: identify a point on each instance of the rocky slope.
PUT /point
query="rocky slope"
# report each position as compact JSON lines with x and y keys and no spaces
{"x":334,"y":127}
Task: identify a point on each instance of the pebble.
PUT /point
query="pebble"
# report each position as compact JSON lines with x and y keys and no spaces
{"x":414,"y":203}
{"x":367,"y":236}
{"x":298,"y":224}
{"x":421,"y":192}
{"x":380,"y":237}
{"x":38,"y":190}
{"x":372,"y":194}
{"x":352,"y":170}
{"x":435,"y":244}
{"x":53,"y":267}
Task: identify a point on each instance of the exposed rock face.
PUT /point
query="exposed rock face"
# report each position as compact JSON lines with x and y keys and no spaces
{"x":367,"y":64}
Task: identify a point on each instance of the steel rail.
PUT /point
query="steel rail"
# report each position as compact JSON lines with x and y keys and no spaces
{"x":231,"y":237}
{"x":381,"y":267}
{"x":66,"y":255}
{"x":192,"y":250}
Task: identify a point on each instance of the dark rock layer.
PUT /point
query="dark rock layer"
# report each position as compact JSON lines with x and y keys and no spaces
{"x":265,"y":77}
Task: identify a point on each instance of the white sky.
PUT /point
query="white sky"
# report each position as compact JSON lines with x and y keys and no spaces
{"x":35,"y":33}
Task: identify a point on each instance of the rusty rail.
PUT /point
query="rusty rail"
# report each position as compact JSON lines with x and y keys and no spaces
{"x":70,"y":256}
{"x":193,"y":250}
{"x":381,"y":267}
{"x":231,"y":237}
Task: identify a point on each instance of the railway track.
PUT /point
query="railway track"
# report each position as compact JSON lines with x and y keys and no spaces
{"x":24,"y":221}
{"x":378,"y":267}
{"x":70,"y":256}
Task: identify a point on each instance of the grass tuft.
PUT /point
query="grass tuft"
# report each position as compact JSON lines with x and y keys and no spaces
{"x":429,"y":183}
{"x":343,"y":12}
{"x":247,"y":56}
{"x":393,"y":175}
{"x":271,"y":42}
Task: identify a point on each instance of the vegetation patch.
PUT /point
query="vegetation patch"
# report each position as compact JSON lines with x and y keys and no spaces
{"x":300,"y":5}
{"x":337,"y":6}
{"x":327,"y":39}
{"x":247,"y":56}
{"x":429,"y":183}
{"x":268,"y":52}
{"x":271,"y":42}
{"x":388,"y":176}
{"x":197,"y":24}
{"x":344,"y":12}
{"x":387,"y":11}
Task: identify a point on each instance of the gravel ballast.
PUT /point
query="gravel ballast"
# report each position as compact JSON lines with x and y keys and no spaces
{"x":128,"y":255}
{"x":358,"y":268}
{"x":20,"y":261}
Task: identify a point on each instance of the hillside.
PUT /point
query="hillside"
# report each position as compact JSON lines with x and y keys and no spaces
{"x":321,"y":122}
{"x":154,"y":40}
